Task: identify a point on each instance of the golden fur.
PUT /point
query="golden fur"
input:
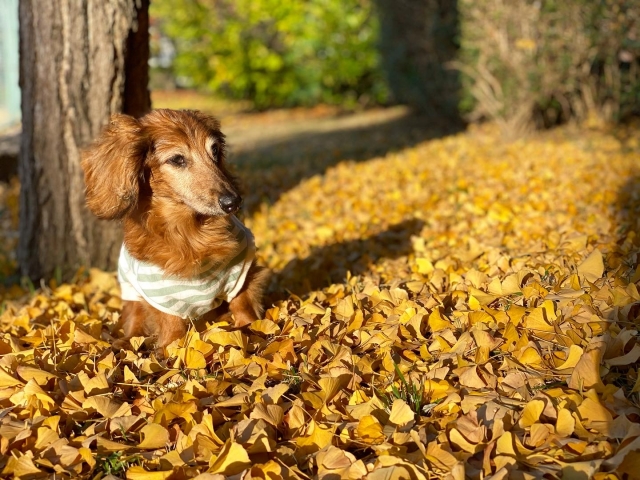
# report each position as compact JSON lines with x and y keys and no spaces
{"x":164,"y":175}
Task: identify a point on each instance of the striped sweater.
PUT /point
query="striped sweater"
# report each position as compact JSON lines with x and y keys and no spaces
{"x":193,"y":297}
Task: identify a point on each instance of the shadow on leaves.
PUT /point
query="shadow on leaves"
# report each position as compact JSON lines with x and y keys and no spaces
{"x":270,"y":168}
{"x":330,"y":264}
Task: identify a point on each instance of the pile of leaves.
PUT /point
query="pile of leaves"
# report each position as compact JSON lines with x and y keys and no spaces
{"x":459,"y":309}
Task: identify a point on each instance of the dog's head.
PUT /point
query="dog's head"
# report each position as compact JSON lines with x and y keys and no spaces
{"x":169,"y":154}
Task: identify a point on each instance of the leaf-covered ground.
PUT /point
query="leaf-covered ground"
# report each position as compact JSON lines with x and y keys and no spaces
{"x":461,"y":308}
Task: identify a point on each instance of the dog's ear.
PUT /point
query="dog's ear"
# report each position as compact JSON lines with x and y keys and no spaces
{"x":112,"y":166}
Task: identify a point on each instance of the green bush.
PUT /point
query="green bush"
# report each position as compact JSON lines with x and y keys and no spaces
{"x":276,"y":52}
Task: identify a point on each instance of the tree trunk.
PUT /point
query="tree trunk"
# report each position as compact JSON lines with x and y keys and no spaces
{"x":418,"y":40}
{"x":80,"y":61}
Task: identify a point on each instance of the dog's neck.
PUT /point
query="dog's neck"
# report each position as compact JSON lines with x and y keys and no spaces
{"x":172,"y":236}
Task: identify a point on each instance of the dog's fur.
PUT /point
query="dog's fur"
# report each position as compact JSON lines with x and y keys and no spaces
{"x":164,"y":175}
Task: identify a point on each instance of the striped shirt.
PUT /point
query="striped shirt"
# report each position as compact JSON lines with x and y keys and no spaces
{"x":188,"y":298}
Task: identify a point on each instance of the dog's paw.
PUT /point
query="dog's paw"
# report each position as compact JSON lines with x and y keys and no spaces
{"x":233,"y":321}
{"x":241,"y":321}
{"x":225,"y":318}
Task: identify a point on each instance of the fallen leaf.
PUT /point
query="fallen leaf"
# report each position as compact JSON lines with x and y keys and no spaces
{"x":401,"y":413}
{"x":154,"y":436}
{"x":592,"y":267}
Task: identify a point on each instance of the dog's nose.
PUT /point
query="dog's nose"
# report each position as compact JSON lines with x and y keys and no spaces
{"x":230,"y":202}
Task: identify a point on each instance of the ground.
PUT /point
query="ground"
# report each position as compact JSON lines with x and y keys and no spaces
{"x":443,"y":305}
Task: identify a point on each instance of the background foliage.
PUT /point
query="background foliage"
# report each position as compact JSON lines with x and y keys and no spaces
{"x":528,"y":64}
{"x":525,"y":64}
{"x":276,"y":53}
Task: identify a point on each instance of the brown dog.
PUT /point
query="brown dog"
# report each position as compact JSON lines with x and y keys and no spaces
{"x":184,"y":251}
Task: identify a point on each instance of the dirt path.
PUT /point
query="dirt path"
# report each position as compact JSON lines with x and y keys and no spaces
{"x":253,"y":131}
{"x":282,"y":136}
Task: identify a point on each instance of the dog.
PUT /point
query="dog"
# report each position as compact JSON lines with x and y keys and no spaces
{"x":184,"y":252}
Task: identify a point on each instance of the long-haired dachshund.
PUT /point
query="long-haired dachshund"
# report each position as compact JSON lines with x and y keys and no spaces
{"x":184,"y":251}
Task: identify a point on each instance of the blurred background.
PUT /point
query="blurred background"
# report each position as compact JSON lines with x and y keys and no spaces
{"x":526,"y":64}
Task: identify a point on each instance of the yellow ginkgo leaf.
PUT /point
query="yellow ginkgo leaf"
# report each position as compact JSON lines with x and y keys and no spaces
{"x":317,"y":438}
{"x":231,"y":460}
{"x":457,"y":439}
{"x":591,"y":410}
{"x":266,"y":327}
{"x":345,"y":309}
{"x":565,"y":423}
{"x":41,"y":377}
{"x":592,"y":267}
{"x":107,"y":407}
{"x":273,"y":414}
{"x":332,"y":385}
{"x":333,"y":458}
{"x":7,"y":380}
{"x":531,"y":413}
{"x":370,"y":430}
{"x":154,"y":436}
{"x":194,"y":359}
{"x":401,"y":413}
{"x":437,"y":323}
{"x":586,"y":373}
{"x":226,"y":339}
{"x":505,"y":445}
{"x":21,"y":466}
{"x":96,"y":385}
{"x":139,"y":473}
{"x":530,"y":356}
{"x":574,"y":355}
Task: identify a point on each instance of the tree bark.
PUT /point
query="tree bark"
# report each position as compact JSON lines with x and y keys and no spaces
{"x":80,"y":62}
{"x":418,"y":40}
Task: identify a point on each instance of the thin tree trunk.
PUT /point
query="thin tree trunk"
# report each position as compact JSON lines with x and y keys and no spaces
{"x":80,"y":61}
{"x":418,"y":40}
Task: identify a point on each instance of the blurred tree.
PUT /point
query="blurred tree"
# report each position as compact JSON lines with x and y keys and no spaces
{"x":418,"y":40}
{"x":274,"y":52}
{"x":80,"y":61}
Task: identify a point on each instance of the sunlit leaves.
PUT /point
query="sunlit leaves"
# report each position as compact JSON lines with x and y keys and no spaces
{"x":498,"y":337}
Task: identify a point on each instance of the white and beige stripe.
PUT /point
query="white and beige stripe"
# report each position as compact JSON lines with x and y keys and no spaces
{"x":193,"y":297}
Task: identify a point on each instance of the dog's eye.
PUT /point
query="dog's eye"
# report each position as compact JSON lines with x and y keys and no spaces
{"x":177,"y":161}
{"x":214,"y":151}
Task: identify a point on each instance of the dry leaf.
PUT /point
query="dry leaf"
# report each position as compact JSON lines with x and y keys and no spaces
{"x":232,"y":459}
{"x":401,"y":413}
{"x":139,"y":473}
{"x":154,"y":436}
{"x":586,"y":373}
{"x":592,"y":267}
